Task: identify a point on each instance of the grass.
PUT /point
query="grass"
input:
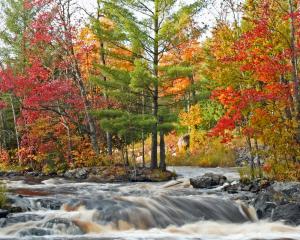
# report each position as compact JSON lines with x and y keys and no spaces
{"x":214,"y":154}
{"x":3,"y":197}
{"x":11,"y":167}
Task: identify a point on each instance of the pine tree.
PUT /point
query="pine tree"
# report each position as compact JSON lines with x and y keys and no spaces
{"x":147,"y":30}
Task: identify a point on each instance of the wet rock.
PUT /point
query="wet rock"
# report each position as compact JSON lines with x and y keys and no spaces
{"x":62,"y":225}
{"x":34,"y":232}
{"x":3,"y":213}
{"x":264,"y":204}
{"x":290,"y":213}
{"x":32,"y":174}
{"x":148,"y":175}
{"x":18,"y":204}
{"x":208,"y":180}
{"x":274,"y":200}
{"x":254,"y":186}
{"x":15,"y":209}
{"x":233,"y":187}
{"x":20,"y":219}
{"x":48,"y":203}
{"x":11,"y":174}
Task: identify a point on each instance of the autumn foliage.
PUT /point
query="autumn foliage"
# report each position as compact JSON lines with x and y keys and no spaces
{"x":74,"y":93}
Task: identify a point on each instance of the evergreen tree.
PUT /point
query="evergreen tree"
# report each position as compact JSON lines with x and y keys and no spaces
{"x":147,"y":30}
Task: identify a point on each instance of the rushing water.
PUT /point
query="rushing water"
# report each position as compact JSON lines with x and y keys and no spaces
{"x":58,"y":209}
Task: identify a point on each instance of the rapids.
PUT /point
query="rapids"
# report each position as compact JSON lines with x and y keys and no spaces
{"x":57,"y":209}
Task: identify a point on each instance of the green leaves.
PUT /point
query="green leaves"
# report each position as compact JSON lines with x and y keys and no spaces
{"x":141,"y":77}
{"x":125,"y":124}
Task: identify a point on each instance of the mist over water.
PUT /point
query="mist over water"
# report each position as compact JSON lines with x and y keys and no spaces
{"x":57,"y":209}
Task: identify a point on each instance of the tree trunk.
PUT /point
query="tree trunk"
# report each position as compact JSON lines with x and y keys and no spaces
{"x":294,"y":61}
{"x":15,"y":124}
{"x":143,"y":149}
{"x":162,"y":163}
{"x":90,"y":120}
{"x":126,"y":156}
{"x":3,"y":127}
{"x":251,"y":157}
{"x":154,"y":137}
{"x":155,"y":90}
{"x":257,"y":156}
{"x":103,"y":62}
{"x":65,"y":17}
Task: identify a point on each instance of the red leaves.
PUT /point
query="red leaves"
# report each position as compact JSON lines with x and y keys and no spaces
{"x":42,"y":29}
{"x":224,"y":125}
{"x":263,"y":62}
{"x":2,"y":105}
{"x":237,"y":104}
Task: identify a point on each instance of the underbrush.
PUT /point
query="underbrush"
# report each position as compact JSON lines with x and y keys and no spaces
{"x":278,"y":172}
{"x":214,"y":154}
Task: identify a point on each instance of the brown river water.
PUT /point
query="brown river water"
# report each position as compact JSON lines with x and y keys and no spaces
{"x":57,"y":209}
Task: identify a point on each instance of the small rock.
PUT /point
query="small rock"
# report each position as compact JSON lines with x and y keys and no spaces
{"x":48,"y":203}
{"x":34,"y":232}
{"x":11,"y":220}
{"x":32,"y":174}
{"x":15,"y":209}
{"x":3,"y":213}
{"x":63,"y":225}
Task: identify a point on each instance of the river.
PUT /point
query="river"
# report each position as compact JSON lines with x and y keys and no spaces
{"x":57,"y":209}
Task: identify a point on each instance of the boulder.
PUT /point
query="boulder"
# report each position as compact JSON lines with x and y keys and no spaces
{"x":264,"y":204}
{"x":208,"y":180}
{"x":81,"y":173}
{"x":272,"y":201}
{"x":148,"y":175}
{"x":184,"y":143}
{"x":78,"y":173}
{"x":291,"y":190}
{"x":290,"y":213}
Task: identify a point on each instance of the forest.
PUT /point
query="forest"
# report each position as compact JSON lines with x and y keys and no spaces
{"x":120,"y":83}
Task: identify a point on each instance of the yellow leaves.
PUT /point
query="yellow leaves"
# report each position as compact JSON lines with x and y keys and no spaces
{"x":191,"y":118}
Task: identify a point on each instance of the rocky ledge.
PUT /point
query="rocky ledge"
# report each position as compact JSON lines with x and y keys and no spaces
{"x":276,"y":201}
{"x":100,"y":174}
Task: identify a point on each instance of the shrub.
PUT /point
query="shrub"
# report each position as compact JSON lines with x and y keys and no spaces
{"x":2,"y":194}
{"x":214,"y":154}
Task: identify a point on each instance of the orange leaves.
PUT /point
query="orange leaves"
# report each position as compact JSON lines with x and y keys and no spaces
{"x":176,"y":86}
{"x":4,"y":156}
{"x":191,"y":118}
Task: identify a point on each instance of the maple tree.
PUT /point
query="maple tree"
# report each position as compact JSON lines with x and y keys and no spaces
{"x":260,"y":97}
{"x":73,"y":91}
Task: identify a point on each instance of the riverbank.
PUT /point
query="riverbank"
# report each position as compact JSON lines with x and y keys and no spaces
{"x":104,"y":174}
{"x":214,"y":205}
{"x":274,"y":201}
